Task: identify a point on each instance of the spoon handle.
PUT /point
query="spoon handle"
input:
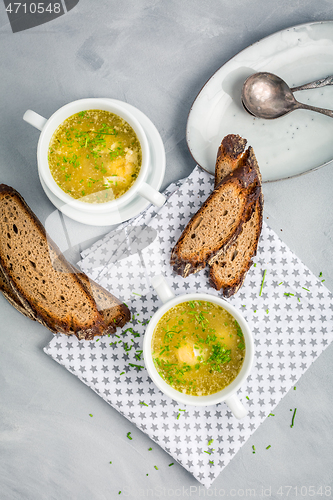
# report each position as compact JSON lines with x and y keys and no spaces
{"x":327,"y":112}
{"x":315,"y":85}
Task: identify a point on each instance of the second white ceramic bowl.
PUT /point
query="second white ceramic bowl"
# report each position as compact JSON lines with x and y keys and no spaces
{"x":228,"y":394}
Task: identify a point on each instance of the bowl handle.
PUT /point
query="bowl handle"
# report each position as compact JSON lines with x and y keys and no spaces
{"x":34,"y":119}
{"x":237,"y":408}
{"x":155,"y":197}
{"x":162,"y":289}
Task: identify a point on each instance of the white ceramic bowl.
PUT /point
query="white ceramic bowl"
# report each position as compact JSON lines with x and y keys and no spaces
{"x":48,"y":127}
{"x":228,"y":394}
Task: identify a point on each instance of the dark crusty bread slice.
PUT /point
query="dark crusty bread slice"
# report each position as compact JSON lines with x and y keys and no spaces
{"x":114,"y":312}
{"x":9,"y":294}
{"x":228,"y":156}
{"x":56,"y":297}
{"x":229,"y":270}
{"x":219,"y":221}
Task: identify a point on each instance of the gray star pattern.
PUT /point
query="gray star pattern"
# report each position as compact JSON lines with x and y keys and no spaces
{"x":290,"y":332}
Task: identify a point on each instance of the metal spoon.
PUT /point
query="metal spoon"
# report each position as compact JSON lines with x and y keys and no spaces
{"x":323,"y":82}
{"x":265,"y":95}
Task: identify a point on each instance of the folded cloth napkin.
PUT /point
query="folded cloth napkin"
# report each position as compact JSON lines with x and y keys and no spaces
{"x":291,"y":321}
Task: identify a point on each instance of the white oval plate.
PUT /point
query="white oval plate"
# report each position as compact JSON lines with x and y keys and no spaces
{"x":287,"y":146}
{"x":138,"y":203}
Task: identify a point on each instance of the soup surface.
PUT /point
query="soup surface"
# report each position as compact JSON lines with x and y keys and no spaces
{"x":198,"y":348}
{"x":95,"y":155}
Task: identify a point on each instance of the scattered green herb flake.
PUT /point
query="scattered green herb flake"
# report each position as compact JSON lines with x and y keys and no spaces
{"x":97,"y":340}
{"x":208,"y":452}
{"x":211,"y":462}
{"x":155,"y":467}
{"x":267,"y":311}
{"x":149,"y":449}
{"x":137,"y":294}
{"x":295,"y":388}
{"x":322,"y":281}
{"x":220,"y":355}
{"x":119,"y":492}
{"x":293,"y":418}
{"x":305,"y":288}
{"x":138,"y":355}
{"x":271,"y":415}
{"x":129,"y":435}
{"x":140,"y":367}
{"x":110,"y":462}
{"x":288,"y":294}
{"x":247,"y":397}
{"x":255,"y":264}
{"x":210,"y":442}
{"x":320,"y":274}
{"x":299,"y":300}
{"x":171,"y":464}
{"x":90,"y":415}
{"x":268,"y":447}
{"x":255,"y":311}
{"x":253,"y":448}
{"x":262,"y":283}
{"x":143,"y":403}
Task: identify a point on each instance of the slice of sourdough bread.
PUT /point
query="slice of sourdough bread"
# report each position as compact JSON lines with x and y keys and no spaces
{"x":229,"y":270}
{"x":58,"y":298}
{"x":228,"y":156}
{"x":219,"y":221}
{"x":115,"y":313}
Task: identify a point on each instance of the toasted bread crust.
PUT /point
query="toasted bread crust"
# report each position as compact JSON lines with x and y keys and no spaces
{"x":9,"y":294}
{"x":229,"y":155}
{"x":245,"y":181}
{"x":120,"y":313}
{"x":86,"y":322}
{"x":222,"y":274}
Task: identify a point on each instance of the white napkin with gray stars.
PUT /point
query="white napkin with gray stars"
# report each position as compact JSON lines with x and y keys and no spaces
{"x":292,"y":323}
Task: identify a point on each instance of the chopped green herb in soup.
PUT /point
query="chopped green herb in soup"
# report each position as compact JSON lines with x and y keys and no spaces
{"x":95,"y":155}
{"x":198,"y":348}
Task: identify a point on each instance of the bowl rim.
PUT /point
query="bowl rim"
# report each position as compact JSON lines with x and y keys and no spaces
{"x":58,"y":117}
{"x":219,"y":396}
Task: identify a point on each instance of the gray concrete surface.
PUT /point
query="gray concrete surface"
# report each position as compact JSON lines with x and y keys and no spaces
{"x":155,"y":55}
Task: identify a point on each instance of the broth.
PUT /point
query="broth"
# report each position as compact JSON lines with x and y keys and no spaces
{"x":95,"y":156}
{"x":198,"y":348}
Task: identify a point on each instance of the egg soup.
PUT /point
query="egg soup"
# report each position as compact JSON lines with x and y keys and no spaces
{"x":95,"y":156}
{"x":198,"y":348}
